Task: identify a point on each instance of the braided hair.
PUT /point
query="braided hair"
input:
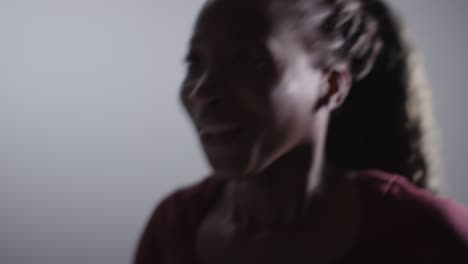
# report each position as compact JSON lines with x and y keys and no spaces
{"x":385,"y":122}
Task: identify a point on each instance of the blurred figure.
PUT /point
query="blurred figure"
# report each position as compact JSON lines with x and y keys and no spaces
{"x":317,"y":130}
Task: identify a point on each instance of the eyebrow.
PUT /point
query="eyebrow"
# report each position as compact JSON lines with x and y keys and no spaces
{"x":191,"y":47}
{"x":189,"y":56}
{"x":193,"y":40}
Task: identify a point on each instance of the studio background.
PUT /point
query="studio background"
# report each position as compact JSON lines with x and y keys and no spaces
{"x":92,"y":135}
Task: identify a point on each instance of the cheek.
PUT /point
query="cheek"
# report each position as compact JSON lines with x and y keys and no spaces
{"x":298,"y":86}
{"x":294,"y":97}
{"x":251,"y":97}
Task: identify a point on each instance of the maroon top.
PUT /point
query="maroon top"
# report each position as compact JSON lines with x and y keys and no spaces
{"x":401,"y":223}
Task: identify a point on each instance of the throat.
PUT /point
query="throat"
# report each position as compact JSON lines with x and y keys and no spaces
{"x":260,"y":210}
{"x":275,"y":200}
{"x":281,"y":200}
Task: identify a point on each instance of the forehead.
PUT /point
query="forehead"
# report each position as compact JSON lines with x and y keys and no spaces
{"x":232,"y":21}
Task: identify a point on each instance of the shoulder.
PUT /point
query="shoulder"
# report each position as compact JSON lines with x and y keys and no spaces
{"x":401,"y":193}
{"x":188,"y":201}
{"x":422,"y":219}
{"x":175,"y":220}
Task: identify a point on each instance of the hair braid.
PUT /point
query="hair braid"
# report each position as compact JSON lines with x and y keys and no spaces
{"x":385,"y":122}
{"x":382,"y":125}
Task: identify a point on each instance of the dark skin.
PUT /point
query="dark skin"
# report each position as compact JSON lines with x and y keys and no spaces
{"x":261,"y":111}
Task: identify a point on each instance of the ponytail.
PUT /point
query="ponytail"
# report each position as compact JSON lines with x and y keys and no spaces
{"x":385,"y":122}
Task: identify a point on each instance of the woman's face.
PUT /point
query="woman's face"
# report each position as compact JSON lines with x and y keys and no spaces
{"x":250,"y":88}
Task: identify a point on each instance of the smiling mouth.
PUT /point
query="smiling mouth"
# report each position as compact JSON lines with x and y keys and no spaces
{"x":219,"y":129}
{"x":222,"y":134}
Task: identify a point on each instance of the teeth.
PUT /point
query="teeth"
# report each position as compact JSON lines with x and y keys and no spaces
{"x":218,"y":129}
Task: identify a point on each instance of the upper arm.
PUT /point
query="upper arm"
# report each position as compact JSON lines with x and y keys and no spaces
{"x":174,"y":222}
{"x":439,"y":223}
{"x":150,"y":245}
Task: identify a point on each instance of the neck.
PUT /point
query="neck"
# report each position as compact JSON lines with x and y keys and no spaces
{"x":282,"y":196}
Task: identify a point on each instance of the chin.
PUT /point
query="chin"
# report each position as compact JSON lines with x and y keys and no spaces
{"x":230,"y":163}
{"x":242,"y":160}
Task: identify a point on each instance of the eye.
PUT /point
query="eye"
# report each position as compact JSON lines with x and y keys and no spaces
{"x":254,"y":58}
{"x":195,"y":65}
{"x":257,"y":58}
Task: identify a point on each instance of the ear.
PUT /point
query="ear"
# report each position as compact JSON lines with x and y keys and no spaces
{"x":336,"y":85}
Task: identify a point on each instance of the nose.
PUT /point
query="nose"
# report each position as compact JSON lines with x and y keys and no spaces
{"x":203,"y":93}
{"x":201,"y":89}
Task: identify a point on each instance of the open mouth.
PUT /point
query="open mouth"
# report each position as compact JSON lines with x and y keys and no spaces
{"x":221,"y":133}
{"x":218,"y":129}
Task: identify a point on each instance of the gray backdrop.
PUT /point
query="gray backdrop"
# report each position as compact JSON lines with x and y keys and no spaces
{"x":92,"y":135}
